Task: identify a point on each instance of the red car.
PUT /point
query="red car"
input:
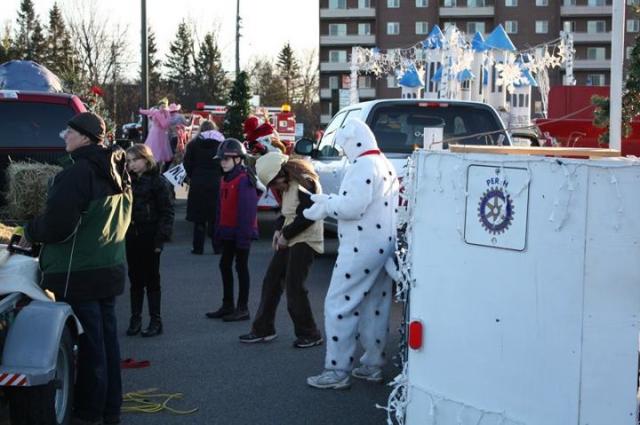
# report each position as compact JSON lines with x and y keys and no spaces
{"x":30,"y":125}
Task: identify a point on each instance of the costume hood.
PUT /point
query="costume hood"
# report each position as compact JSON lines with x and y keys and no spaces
{"x":355,"y":137}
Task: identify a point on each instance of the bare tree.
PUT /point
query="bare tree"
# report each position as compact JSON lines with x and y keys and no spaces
{"x":307,"y":106}
{"x":101,"y":46}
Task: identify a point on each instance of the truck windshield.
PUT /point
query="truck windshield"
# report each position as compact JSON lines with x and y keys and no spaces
{"x":399,"y":128}
{"x":27,"y":124}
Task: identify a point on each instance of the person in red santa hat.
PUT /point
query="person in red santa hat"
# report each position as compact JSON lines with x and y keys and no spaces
{"x":253,"y":131}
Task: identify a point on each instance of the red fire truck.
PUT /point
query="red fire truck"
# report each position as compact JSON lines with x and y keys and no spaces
{"x":282,"y":119}
{"x":577,"y":130}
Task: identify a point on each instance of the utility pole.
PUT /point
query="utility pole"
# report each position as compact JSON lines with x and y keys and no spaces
{"x":144,"y":51}
{"x":237,"y":37}
{"x":114,"y":59}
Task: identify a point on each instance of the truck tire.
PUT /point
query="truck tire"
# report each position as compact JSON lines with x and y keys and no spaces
{"x":48,"y":404}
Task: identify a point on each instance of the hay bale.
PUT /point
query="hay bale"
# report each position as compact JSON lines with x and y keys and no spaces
{"x":27,"y":184}
{"x":5,"y":233}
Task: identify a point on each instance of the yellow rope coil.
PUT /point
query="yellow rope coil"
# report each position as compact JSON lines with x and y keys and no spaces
{"x":148,"y":401}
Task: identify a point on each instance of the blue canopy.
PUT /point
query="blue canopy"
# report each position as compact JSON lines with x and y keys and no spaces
{"x":498,"y":39}
{"x":411,"y":78}
{"x":434,"y":39}
{"x":28,"y":75}
{"x":478,"y":43}
{"x":465,"y":75}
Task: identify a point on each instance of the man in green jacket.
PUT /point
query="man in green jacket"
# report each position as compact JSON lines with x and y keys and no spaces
{"x":83,"y":258}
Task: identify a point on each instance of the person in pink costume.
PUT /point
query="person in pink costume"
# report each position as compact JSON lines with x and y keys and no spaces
{"x":157,"y":139}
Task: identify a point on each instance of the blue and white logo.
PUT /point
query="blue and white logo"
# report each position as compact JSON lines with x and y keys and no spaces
{"x":495,"y":210}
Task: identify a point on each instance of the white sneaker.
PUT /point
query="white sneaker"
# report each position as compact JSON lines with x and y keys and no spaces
{"x":368,"y":373}
{"x":330,"y":380}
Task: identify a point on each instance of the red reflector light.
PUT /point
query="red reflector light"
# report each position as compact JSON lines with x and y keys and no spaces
{"x":432,"y":105}
{"x":200,"y":105}
{"x":415,"y":335}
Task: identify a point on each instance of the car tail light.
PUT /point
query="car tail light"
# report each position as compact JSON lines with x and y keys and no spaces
{"x":432,"y":105}
{"x":415,"y":335}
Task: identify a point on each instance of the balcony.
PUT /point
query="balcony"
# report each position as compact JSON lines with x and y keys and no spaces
{"x":363,"y":93}
{"x":467,"y":12}
{"x":335,"y":66}
{"x":347,"y":40}
{"x":369,"y":12}
{"x":587,"y":64}
{"x":592,"y":37}
{"x":585,"y":11}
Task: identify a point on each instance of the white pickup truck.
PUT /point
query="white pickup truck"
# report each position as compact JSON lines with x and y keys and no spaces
{"x":398,"y":125}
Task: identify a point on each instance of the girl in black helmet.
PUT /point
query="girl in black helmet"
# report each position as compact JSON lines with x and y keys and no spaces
{"x":236,"y":227}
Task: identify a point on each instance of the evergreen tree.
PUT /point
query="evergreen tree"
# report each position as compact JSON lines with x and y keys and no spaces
{"x":59,"y":55}
{"x":289,"y":71}
{"x":179,"y":63}
{"x":154,"y":62}
{"x":26,"y":26}
{"x":239,"y":108}
{"x":38,"y":44}
{"x":266,"y":83}
{"x":630,"y":97}
{"x":210,"y":76}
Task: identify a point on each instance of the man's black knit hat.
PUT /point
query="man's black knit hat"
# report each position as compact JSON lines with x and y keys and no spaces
{"x":90,"y":125}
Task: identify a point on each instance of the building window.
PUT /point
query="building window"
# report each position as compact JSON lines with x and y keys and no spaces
{"x":569,"y":3}
{"x":364,"y":4}
{"x":337,"y":56}
{"x":364,"y":29}
{"x":337,"y":4}
{"x":596,"y":26}
{"x":511,"y":3}
{"x":393,"y":3}
{"x":540,"y":3}
{"x":392,"y":82}
{"x":473,"y":27}
{"x":596,"y":80}
{"x":338,"y":30}
{"x":633,"y":25}
{"x":629,"y":51}
{"x":596,"y":53}
{"x":393,"y":28}
{"x":633,"y":2}
{"x":365,"y":82}
{"x":476,"y":3}
{"x":449,"y":3}
{"x":569,"y":26}
{"x":511,"y":27}
{"x":333,"y":82}
{"x":422,"y":27}
{"x":422,"y":3}
{"x":449,"y":24}
{"x":597,"y":3}
{"x":542,"y":27}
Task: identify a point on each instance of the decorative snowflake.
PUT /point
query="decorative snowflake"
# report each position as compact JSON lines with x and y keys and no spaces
{"x":509,"y":74}
{"x":551,"y":61}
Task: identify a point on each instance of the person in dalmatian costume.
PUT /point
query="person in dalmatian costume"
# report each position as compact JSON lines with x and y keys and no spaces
{"x":359,"y":297}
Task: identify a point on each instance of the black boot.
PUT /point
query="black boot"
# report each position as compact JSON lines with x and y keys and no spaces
{"x":241,"y":313}
{"x":135,"y":323}
{"x":223,"y":311}
{"x":155,"y":325}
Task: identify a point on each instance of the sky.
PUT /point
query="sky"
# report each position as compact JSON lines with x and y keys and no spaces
{"x":266,"y":25}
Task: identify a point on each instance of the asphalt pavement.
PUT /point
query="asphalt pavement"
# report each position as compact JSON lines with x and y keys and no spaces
{"x":232,"y":383}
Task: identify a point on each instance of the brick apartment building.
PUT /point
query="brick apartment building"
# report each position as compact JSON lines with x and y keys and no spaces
{"x":390,"y":24}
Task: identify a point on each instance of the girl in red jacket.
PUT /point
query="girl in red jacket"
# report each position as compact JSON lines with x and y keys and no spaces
{"x":236,"y":227}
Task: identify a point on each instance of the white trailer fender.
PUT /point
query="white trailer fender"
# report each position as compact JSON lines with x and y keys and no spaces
{"x":31,"y":346}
